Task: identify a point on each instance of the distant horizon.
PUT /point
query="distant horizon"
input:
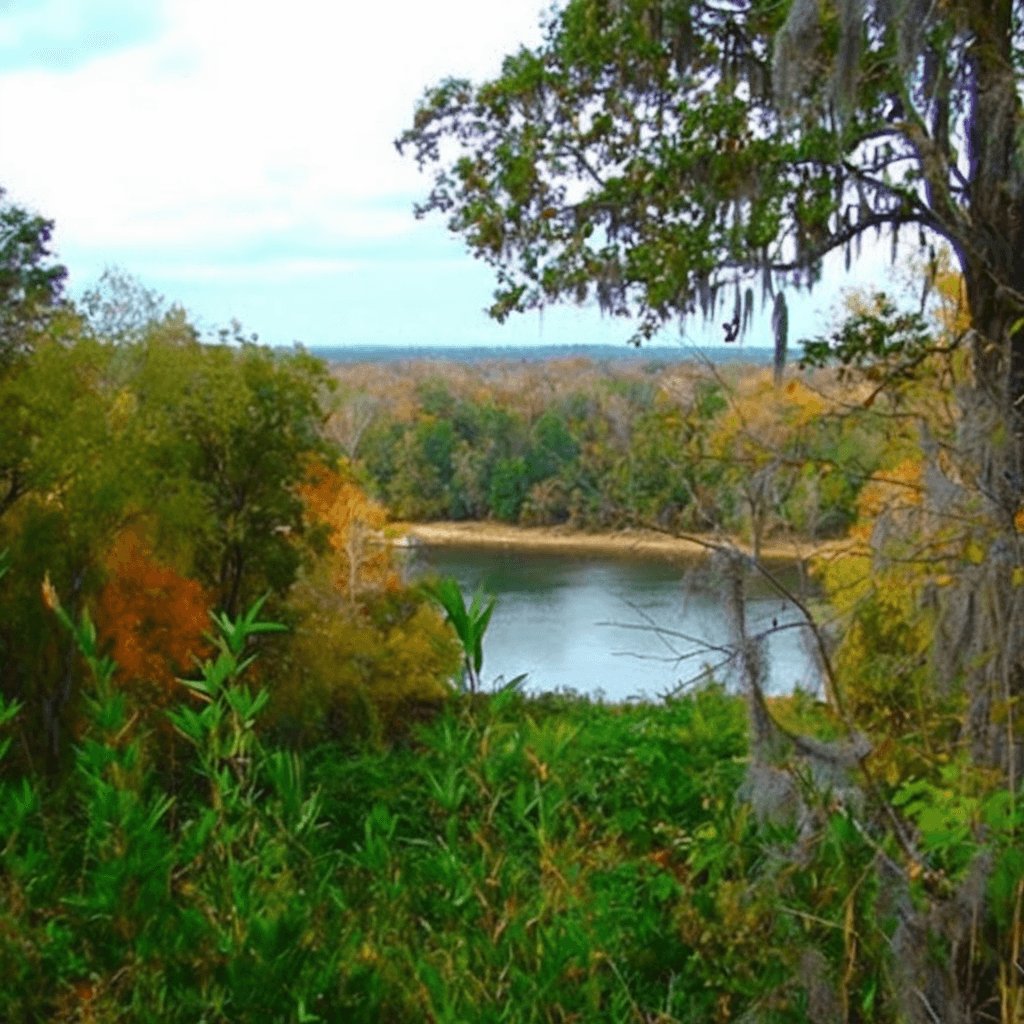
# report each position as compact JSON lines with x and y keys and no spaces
{"x":683,"y":352}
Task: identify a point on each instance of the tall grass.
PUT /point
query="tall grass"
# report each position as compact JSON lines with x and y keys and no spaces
{"x":523,"y":859}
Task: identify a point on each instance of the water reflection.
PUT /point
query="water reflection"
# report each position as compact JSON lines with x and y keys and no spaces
{"x":587,"y":623}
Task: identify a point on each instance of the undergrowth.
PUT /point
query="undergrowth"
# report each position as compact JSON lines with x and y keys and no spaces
{"x":522,"y":859}
{"x":515,"y":859}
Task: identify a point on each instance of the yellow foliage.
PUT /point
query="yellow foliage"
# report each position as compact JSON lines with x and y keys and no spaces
{"x":384,"y":658}
{"x":762,"y":418}
{"x":810,"y":404}
{"x":846,"y":578}
{"x":892,"y":489}
{"x":361,"y":560}
{"x":884,"y":664}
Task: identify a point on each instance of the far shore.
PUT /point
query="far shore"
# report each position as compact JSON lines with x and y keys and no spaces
{"x":623,"y":543}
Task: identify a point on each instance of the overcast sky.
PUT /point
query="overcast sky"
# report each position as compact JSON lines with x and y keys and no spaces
{"x":238,"y":157}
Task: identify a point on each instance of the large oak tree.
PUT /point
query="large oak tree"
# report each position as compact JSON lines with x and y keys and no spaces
{"x":658,"y":153}
{"x":666,"y":156}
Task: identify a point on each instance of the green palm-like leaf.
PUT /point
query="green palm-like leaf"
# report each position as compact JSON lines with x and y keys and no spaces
{"x":481,"y":621}
{"x":469,"y":624}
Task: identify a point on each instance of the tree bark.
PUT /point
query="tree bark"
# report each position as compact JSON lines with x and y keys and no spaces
{"x":992,"y":255}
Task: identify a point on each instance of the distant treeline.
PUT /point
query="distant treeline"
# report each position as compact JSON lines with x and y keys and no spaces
{"x":656,"y":354}
{"x":604,"y":446}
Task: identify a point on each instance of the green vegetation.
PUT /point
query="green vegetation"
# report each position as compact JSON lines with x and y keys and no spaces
{"x":601,"y":448}
{"x":470,"y":624}
{"x":522,"y":859}
{"x":515,"y":857}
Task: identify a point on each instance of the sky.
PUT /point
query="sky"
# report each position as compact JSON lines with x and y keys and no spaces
{"x":238,"y":158}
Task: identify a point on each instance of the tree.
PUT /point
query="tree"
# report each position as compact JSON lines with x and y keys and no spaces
{"x":154,"y":619}
{"x":74,"y":478}
{"x":119,"y":307}
{"x":233,"y":427}
{"x":30,"y":286}
{"x":657,"y":153}
{"x":368,"y":652}
{"x":353,"y":412}
{"x":774,"y":444}
{"x":355,"y":523}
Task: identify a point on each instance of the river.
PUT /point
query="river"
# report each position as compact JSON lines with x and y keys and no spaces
{"x":585,"y":623}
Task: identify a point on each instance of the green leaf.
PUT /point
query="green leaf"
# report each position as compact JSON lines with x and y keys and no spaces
{"x":188,"y":723}
{"x":9,"y":711}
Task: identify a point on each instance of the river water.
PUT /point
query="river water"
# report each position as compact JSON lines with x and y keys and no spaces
{"x":587,"y":623}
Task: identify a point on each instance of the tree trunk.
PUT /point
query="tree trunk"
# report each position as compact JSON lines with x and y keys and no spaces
{"x":992,"y":253}
{"x":985,"y":610}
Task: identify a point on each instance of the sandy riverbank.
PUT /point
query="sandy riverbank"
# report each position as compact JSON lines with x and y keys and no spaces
{"x":626,"y":543}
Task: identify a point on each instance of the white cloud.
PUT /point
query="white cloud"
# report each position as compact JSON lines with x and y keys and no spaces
{"x":239,"y":118}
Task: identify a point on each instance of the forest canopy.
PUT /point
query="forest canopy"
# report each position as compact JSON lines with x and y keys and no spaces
{"x":150,"y":478}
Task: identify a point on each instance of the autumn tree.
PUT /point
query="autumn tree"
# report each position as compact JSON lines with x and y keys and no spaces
{"x":203,"y":445}
{"x":154,"y":620}
{"x":355,"y":525}
{"x":793,"y":457}
{"x":367,"y":653}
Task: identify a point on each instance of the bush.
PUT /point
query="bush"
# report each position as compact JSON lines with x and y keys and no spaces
{"x":360,"y":672}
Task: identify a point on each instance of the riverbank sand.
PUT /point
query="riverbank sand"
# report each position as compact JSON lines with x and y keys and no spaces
{"x":625,"y":543}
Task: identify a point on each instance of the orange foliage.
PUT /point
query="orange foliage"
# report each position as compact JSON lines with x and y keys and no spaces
{"x":362,"y":560}
{"x":153,"y":618}
{"x":896,"y":488}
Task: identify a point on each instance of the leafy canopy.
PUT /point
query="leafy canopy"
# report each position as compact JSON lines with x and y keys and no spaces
{"x":30,"y":285}
{"x":656,"y":154}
